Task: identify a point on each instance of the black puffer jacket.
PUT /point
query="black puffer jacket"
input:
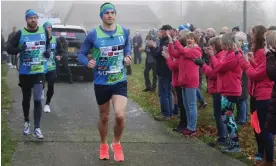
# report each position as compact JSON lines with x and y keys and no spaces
{"x":271,"y":72}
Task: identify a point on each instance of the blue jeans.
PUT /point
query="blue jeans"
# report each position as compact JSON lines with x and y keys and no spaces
{"x":189,"y":101}
{"x":165,"y":95}
{"x":221,"y":127}
{"x":242,"y":108}
{"x":199,"y":96}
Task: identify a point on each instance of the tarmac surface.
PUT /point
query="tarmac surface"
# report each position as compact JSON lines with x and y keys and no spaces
{"x":71,"y":137}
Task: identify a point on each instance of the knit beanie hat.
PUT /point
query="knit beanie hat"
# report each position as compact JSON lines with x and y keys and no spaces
{"x":47,"y":24}
{"x":30,"y":12}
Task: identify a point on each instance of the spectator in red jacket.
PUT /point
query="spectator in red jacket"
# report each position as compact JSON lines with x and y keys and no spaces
{"x":209,"y":71}
{"x":188,"y":78}
{"x":260,"y":86}
{"x":229,"y":86}
{"x":173,"y":64}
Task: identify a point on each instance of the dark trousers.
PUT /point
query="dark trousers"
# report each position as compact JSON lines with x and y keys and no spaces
{"x":165,"y":95}
{"x":14,"y":60}
{"x":242,"y":108}
{"x":137,"y":57}
{"x":200,"y":78}
{"x":262,"y":109}
{"x":221,"y":127}
{"x":50,"y":78}
{"x":27,"y":84}
{"x":148,"y":68}
{"x":183,"y":117}
{"x":64,"y":62}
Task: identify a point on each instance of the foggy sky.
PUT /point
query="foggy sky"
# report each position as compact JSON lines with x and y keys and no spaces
{"x":201,"y":13}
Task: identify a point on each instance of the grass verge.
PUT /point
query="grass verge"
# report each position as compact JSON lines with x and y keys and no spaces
{"x":7,"y":144}
{"x":206,"y":123}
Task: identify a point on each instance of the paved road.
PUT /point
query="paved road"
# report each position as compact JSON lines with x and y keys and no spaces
{"x":71,"y":137}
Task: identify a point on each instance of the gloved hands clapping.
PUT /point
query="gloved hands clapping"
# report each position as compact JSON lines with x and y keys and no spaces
{"x":199,"y":62}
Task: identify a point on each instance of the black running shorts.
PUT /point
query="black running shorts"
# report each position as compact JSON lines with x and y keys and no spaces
{"x":105,"y":92}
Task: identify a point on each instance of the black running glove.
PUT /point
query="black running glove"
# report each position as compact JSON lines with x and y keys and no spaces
{"x":23,"y":47}
{"x":47,"y":53}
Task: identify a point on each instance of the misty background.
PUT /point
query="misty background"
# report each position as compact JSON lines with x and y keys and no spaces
{"x":142,"y":15}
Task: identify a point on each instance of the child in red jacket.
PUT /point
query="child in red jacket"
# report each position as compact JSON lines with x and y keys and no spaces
{"x":209,"y":71}
{"x":188,"y":78}
{"x":260,"y":86}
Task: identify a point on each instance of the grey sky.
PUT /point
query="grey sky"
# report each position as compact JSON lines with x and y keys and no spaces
{"x":203,"y":14}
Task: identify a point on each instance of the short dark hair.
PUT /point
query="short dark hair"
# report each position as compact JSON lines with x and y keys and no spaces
{"x":166,"y":27}
{"x":237,"y":28}
{"x":192,"y":28}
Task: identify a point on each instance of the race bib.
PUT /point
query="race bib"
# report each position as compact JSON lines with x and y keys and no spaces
{"x":110,"y":60}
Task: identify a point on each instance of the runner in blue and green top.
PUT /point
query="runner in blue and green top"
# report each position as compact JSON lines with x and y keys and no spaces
{"x":31,"y":44}
{"x":109,"y":45}
{"x":57,"y":52}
